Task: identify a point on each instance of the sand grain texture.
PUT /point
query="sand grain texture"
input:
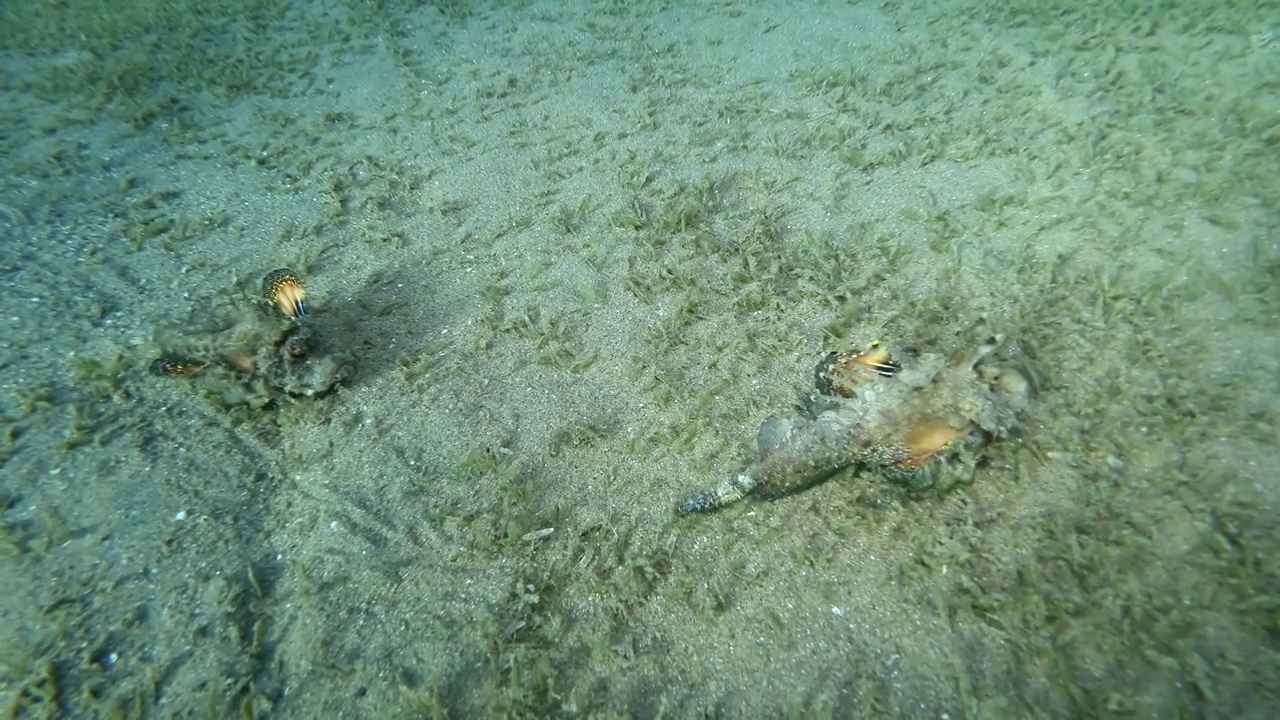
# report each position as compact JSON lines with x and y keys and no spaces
{"x":576,"y":253}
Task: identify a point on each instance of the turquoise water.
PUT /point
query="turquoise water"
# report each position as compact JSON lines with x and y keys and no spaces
{"x":561,"y":261}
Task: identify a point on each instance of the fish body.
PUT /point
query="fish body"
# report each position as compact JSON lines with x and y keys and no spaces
{"x":793,"y":455}
{"x":248,"y":356}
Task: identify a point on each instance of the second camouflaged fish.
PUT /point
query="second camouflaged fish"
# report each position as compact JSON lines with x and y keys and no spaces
{"x":880,"y":416}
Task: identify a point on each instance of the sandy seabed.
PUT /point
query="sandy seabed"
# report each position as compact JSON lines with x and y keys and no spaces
{"x":569,"y":257}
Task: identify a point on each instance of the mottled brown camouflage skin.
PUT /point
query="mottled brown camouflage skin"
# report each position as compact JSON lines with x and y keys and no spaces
{"x":875,"y":414}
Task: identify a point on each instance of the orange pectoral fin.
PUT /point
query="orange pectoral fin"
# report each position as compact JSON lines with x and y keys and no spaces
{"x":929,"y":437}
{"x":283,"y":289}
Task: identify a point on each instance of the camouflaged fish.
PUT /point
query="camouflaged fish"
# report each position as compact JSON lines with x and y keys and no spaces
{"x":248,"y":354}
{"x":878,"y":415}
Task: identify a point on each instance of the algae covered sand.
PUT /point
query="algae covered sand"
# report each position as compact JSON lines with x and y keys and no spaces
{"x":572,"y":255}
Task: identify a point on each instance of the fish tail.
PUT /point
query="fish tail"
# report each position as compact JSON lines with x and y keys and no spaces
{"x":726,"y":493}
